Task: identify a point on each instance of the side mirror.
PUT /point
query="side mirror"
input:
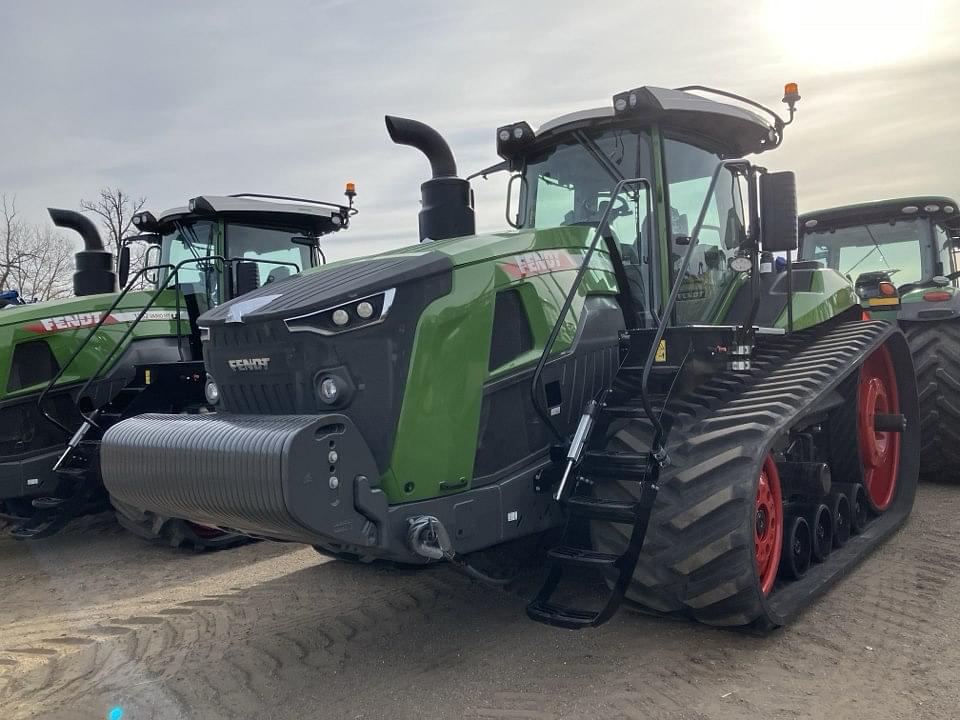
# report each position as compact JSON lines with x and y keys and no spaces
{"x":246,"y":278}
{"x":778,"y":212}
{"x":514,"y":221}
{"x":152,"y":258}
{"x":123,"y":266}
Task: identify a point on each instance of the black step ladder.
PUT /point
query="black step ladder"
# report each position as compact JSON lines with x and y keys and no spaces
{"x":596,"y":469}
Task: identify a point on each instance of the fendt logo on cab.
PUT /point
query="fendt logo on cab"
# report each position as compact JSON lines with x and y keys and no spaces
{"x":249,"y":364}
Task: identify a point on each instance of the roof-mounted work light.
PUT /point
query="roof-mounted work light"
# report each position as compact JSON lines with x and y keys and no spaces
{"x":513,"y":140}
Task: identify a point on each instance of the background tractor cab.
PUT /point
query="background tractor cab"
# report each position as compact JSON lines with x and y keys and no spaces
{"x":912,"y":241}
{"x":903,"y":255}
{"x":263,"y":241}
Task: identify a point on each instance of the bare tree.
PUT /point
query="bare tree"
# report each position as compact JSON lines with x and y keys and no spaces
{"x":46,"y":269}
{"x":115,"y":210}
{"x":12,"y":235}
{"x":35,"y":260}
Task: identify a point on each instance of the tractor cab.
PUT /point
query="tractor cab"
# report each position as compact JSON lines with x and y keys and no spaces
{"x":901,"y":254}
{"x":260,"y":240}
{"x":654,"y":168}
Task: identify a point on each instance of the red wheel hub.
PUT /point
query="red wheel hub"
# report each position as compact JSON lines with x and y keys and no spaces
{"x":768,"y":525}
{"x":879,"y":451}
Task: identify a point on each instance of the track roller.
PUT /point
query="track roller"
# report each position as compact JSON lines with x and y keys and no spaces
{"x":797,"y":543}
{"x":820,"y":519}
{"x":859,"y":510}
{"x":840,"y":511}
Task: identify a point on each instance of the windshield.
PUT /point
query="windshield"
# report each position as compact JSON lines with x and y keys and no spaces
{"x":570,"y":184}
{"x":193,"y":241}
{"x":903,"y":249}
{"x":276,"y":254}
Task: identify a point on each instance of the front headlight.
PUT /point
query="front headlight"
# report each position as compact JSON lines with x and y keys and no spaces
{"x":211,"y":392}
{"x":344,"y":317}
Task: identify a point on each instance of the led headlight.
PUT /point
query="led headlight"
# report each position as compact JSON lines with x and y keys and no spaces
{"x":353,"y":315}
{"x":329,"y":390}
{"x":365,"y":310}
{"x":211,"y":392}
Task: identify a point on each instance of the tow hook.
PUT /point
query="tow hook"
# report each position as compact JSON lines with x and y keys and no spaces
{"x":427,"y":537}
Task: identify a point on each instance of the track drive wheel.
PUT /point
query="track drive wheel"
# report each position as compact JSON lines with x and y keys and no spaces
{"x":175,"y":532}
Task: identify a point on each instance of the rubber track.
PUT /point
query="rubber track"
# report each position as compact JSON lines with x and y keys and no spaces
{"x":935,"y":347}
{"x":172,"y":531}
{"x":698,"y":558}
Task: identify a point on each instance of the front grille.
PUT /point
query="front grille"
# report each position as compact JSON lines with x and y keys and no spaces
{"x":262,"y":398}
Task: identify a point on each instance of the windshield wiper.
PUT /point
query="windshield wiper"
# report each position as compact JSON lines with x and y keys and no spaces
{"x":599,"y":155}
{"x":876,"y":248}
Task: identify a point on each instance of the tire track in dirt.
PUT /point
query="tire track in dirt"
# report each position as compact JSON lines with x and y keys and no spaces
{"x":243,"y":635}
{"x":334,"y":640}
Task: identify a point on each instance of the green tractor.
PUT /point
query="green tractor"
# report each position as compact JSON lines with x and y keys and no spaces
{"x":73,"y":367}
{"x":714,"y":439}
{"x":902,"y":255}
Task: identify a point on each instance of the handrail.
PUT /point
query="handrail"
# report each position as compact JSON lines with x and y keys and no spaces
{"x":103,"y":318}
{"x":572,"y":293}
{"x":136,"y":321}
{"x":656,"y":448}
{"x":93,"y":331}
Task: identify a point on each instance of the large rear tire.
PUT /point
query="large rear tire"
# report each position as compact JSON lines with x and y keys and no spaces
{"x":175,"y":532}
{"x":935,"y":347}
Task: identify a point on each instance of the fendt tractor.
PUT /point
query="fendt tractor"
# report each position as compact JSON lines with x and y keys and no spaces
{"x":73,"y":367}
{"x":902,"y":256}
{"x":712,"y":438}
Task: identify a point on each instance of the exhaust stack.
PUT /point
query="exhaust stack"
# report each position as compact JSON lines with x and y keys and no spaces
{"x":447,"y":202}
{"x":94,"y":264}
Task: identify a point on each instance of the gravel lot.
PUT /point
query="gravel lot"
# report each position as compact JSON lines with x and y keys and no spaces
{"x":95,"y":619}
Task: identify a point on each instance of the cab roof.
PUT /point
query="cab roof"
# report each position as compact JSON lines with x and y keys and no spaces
{"x":315,"y":217}
{"x":741,"y":130}
{"x":942,"y":209}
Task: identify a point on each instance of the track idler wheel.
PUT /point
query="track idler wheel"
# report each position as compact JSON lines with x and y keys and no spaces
{"x":797,"y":542}
{"x":768,"y":525}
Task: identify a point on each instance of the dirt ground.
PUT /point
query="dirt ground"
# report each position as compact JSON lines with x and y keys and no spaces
{"x":95,"y":620}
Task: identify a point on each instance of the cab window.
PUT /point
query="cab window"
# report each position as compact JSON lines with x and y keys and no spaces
{"x":194,"y":242}
{"x":689,"y":171}
{"x":277,"y":256}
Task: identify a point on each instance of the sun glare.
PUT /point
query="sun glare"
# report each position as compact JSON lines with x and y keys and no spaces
{"x":851,"y":34}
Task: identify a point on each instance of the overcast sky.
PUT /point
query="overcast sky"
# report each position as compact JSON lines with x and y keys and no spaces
{"x":176,"y":99}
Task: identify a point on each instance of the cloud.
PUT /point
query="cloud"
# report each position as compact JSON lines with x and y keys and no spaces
{"x":178,"y":99}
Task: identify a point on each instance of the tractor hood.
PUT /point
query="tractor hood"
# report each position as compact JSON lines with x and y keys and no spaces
{"x":320,"y":289}
{"x":79,"y":312}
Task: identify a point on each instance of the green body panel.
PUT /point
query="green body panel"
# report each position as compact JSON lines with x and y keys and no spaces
{"x":439,"y":422}
{"x":829,"y":295}
{"x":69,"y":322}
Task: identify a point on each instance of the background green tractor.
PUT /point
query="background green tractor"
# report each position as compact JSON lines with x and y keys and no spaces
{"x":912,"y":244}
{"x":70,"y":368}
{"x":621,"y":368}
